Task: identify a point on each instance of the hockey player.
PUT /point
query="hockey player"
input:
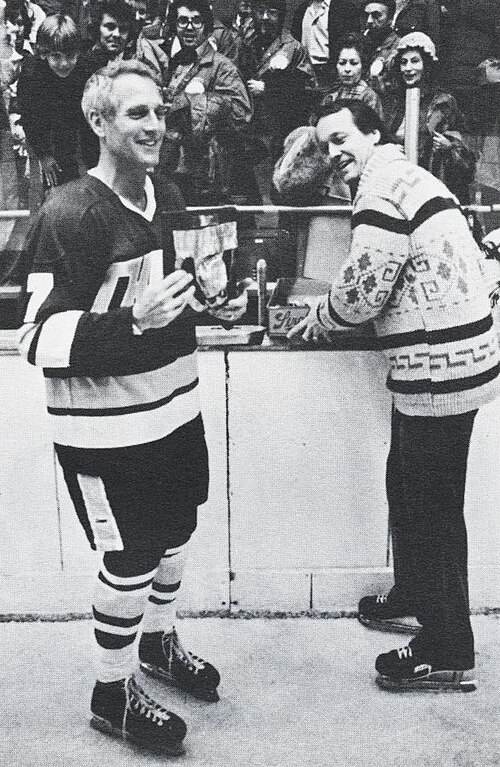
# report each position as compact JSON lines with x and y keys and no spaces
{"x":117,"y":344}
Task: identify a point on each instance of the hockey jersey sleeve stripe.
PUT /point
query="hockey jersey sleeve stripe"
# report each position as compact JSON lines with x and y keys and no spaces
{"x":27,"y":340}
{"x":53,"y":346}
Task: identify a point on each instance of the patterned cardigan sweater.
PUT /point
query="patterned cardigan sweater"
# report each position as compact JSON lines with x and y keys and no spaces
{"x":414,"y":270}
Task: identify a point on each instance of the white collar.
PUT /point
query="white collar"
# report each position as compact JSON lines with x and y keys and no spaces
{"x":149,"y":191}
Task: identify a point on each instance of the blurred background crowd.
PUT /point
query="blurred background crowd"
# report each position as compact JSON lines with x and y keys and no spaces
{"x":239,"y":79}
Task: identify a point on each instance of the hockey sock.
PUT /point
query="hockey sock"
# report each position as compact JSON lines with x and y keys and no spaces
{"x":161,"y":608}
{"x":119,"y":603}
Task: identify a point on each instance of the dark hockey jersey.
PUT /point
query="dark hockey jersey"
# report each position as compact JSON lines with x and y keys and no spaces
{"x":111,"y":394}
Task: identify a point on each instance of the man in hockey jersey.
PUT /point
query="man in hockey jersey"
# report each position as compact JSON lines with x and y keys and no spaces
{"x":117,"y":343}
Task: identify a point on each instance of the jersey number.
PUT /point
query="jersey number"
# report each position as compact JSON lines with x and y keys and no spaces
{"x":38,"y":289}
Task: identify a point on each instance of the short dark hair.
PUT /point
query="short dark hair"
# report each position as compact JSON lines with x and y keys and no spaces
{"x":280,"y":6}
{"x":364,"y":117}
{"x":121,"y":11}
{"x":16,"y":8}
{"x":389,"y":4}
{"x":354,"y":40}
{"x":203,"y":8}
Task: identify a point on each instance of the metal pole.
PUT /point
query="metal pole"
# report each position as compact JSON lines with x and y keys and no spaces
{"x":411,"y":123}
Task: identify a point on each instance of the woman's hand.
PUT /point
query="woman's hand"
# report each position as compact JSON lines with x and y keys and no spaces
{"x":440,"y":142}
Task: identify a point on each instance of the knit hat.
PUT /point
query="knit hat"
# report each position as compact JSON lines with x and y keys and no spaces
{"x":417,"y":40}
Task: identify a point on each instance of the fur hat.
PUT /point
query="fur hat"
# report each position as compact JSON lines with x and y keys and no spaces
{"x":417,"y":40}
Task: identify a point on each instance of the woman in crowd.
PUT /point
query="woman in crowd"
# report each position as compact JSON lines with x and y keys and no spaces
{"x":441,"y":148}
{"x":116,"y":35}
{"x":351,"y":64}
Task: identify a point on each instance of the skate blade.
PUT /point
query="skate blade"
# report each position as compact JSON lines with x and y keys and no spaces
{"x":203,"y":693}
{"x":103,"y":725}
{"x":440,"y":681}
{"x":391,"y":625}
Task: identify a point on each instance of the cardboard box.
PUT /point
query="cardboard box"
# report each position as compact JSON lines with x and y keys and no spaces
{"x":290,"y":302}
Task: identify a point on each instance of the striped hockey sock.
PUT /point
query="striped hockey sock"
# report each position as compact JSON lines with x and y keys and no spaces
{"x":119,"y":603}
{"x":161,"y":608}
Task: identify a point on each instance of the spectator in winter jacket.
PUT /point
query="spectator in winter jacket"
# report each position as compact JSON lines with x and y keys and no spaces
{"x":283,"y":76}
{"x":381,"y":42}
{"x":208,"y":104}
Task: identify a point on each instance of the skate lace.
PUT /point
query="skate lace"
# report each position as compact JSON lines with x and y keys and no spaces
{"x":174,"y":650}
{"x":405,"y":652}
{"x":140,"y":703}
{"x":381,"y":599}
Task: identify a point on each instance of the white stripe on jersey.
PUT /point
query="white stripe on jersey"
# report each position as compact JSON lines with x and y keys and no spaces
{"x":53,"y":348}
{"x":126,"y":429}
{"x":100,"y":515}
{"x":108,"y":392}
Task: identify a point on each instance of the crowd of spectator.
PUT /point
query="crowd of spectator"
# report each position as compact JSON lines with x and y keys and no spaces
{"x":235,"y":87}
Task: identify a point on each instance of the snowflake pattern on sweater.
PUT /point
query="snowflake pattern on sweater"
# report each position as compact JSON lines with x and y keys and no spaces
{"x":413,"y":270}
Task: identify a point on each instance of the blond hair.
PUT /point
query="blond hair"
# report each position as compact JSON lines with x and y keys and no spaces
{"x":98,"y":91}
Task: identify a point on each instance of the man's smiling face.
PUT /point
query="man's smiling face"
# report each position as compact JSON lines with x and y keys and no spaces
{"x":136,"y":127}
{"x":349,"y":149}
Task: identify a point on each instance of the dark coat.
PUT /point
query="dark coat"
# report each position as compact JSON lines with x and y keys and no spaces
{"x":456,"y":165}
{"x":50,"y":112}
{"x":470,"y":34}
{"x":343,"y":17}
{"x":420,"y":16}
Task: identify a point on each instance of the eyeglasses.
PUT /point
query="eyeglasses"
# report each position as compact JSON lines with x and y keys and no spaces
{"x":184,"y":21}
{"x":271,"y":12}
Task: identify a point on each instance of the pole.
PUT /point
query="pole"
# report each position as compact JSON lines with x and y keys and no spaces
{"x":411,"y":123}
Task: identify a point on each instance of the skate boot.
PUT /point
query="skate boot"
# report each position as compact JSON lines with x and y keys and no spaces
{"x":414,"y":668}
{"x":387,"y":613}
{"x":162,"y":656}
{"x":123,"y":709}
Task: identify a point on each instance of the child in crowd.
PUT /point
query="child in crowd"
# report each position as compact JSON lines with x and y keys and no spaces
{"x":49,"y":93}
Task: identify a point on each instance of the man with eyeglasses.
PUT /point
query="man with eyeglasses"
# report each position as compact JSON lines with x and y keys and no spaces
{"x":208,"y":106}
{"x":381,"y":41}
